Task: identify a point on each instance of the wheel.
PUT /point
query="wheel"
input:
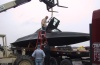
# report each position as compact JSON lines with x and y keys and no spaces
{"x":24,"y":60}
{"x":53,"y":61}
{"x":66,"y":62}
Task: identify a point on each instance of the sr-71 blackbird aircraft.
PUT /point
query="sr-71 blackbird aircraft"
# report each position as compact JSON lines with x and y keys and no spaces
{"x":55,"y":37}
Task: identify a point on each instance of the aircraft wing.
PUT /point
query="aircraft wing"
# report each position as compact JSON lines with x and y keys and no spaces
{"x":54,"y":39}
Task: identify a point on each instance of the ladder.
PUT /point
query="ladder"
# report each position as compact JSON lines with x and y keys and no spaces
{"x":41,"y":38}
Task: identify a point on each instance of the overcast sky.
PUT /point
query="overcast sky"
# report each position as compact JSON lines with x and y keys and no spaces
{"x":25,"y":19}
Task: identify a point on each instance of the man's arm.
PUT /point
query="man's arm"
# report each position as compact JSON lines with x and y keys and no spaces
{"x":44,"y":20}
{"x":43,"y":54}
{"x":33,"y":54}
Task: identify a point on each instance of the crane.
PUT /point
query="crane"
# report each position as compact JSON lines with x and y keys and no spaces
{"x":12,"y":4}
{"x":51,"y":3}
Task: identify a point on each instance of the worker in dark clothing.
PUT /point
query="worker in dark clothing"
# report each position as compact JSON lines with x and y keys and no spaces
{"x":47,"y":53}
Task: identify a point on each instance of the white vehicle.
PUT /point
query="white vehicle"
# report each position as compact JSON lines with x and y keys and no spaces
{"x":8,"y":57}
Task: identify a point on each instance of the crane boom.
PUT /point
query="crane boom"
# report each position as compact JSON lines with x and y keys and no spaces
{"x":12,"y":4}
{"x":7,"y":6}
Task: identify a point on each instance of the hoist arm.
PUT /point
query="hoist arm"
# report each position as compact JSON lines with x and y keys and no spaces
{"x":12,"y":4}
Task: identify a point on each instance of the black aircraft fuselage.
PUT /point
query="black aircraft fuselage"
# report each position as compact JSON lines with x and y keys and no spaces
{"x":55,"y":37}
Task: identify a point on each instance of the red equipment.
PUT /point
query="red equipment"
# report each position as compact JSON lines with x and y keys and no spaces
{"x":95,"y":37}
{"x":41,"y":38}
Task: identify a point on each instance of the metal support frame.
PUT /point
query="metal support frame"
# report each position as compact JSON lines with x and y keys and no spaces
{"x":60,"y":5}
{"x":52,"y":12}
{"x":51,"y":3}
{"x":5,"y":59}
{"x":4,"y":43}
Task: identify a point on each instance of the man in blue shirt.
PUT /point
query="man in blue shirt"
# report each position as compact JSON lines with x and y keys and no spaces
{"x":39,"y":55}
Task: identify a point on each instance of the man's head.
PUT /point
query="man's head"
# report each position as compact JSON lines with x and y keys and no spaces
{"x":38,"y":46}
{"x":46,"y":17}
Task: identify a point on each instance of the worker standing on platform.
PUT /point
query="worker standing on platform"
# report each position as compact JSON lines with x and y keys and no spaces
{"x":43,"y":23}
{"x":39,"y":55}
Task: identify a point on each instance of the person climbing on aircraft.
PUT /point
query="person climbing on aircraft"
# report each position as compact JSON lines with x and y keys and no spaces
{"x":43,"y":23}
